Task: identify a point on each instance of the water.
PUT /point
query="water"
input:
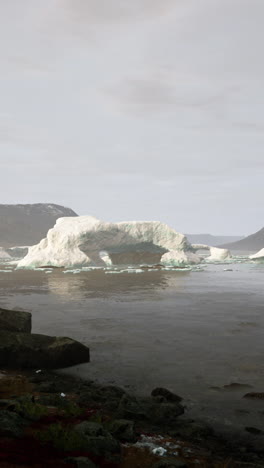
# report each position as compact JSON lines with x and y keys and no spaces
{"x":187,"y":331}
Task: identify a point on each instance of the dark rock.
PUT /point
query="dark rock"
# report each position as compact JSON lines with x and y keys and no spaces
{"x":15,"y":321}
{"x":165,"y":414}
{"x":110,"y":391}
{"x":11,"y":424}
{"x":88,"y":397}
{"x":236,"y":386}
{"x":98,"y":440}
{"x":254,"y":395}
{"x":49,"y":387}
{"x":81,"y":462}
{"x":192,"y":430}
{"x":165,"y":395}
{"x":123,"y":430}
{"x":131,"y":408}
{"x":170,"y":463}
{"x":37,"y":351}
{"x":7,"y":404}
{"x":254,"y":430}
{"x":38,"y":378}
{"x":26,"y":407}
{"x":110,"y":396}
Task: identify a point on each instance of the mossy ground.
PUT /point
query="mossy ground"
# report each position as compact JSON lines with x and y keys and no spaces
{"x":49,"y":437}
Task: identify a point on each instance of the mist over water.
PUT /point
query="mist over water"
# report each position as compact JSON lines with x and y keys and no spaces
{"x":188,"y":331}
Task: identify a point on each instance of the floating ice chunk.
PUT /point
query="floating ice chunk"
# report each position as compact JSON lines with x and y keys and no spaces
{"x":135,"y":270}
{"x":216,"y":253}
{"x":74,"y":272}
{"x":42,"y":269}
{"x":159,"y":451}
{"x":113,"y":272}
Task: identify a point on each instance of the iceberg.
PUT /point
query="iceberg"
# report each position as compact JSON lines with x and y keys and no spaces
{"x":259,"y":256}
{"x":85,"y":241}
{"x":4,"y":254}
{"x":216,"y":254}
{"x":17,"y":252}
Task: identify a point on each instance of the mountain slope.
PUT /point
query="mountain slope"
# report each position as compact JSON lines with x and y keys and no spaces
{"x":28,"y":224}
{"x":254,"y":242}
{"x":209,"y":239}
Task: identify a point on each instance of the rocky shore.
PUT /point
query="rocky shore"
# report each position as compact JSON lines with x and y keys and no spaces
{"x":49,"y":419}
{"x":19,"y":348}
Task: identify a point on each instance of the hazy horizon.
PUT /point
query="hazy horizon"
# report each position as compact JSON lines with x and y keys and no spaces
{"x":151,"y":109}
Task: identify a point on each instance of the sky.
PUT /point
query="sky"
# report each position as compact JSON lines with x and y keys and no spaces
{"x":143,"y":109}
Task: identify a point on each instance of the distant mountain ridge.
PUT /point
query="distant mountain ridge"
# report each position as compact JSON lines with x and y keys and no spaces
{"x":27,"y":224}
{"x":254,"y":242}
{"x":209,"y":239}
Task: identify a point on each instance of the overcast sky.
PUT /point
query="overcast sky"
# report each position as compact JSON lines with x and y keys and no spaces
{"x":135,"y":109}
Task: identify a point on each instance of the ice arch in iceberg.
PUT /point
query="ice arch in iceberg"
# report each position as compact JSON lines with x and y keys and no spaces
{"x":87,"y":241}
{"x":80,"y":241}
{"x":216,"y":253}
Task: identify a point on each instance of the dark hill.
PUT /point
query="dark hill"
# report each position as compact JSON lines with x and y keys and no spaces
{"x":28,"y":224}
{"x":254,"y":243}
{"x":209,"y":239}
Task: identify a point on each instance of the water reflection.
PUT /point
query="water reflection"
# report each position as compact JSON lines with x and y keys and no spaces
{"x":97,"y":284}
{"x":92,"y":284}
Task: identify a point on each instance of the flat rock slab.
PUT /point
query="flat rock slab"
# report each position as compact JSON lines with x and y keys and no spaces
{"x":15,"y":321}
{"x":22,"y":350}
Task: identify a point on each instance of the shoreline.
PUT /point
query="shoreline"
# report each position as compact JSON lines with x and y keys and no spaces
{"x":149,"y":419}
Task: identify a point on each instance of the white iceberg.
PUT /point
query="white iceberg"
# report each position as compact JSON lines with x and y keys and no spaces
{"x":4,"y":254}
{"x":86,"y":241}
{"x":17,"y":251}
{"x":259,"y":256}
{"x":216,"y":254}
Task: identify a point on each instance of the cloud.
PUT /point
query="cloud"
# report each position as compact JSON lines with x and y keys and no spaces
{"x":143,"y":106}
{"x":114,"y":11}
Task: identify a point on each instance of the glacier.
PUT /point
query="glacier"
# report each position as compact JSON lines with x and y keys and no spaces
{"x":86,"y":241}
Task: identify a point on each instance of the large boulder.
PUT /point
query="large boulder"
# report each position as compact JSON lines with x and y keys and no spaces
{"x":98,"y":440}
{"x":15,"y":321}
{"x":11,"y":424}
{"x":40,"y":351}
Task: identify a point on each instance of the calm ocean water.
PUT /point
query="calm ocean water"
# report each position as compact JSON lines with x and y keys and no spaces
{"x":187,"y":331}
